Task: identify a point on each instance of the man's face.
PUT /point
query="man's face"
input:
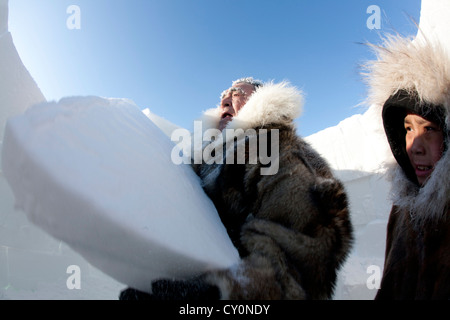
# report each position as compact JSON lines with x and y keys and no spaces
{"x":232,"y":101}
{"x":424,"y":145}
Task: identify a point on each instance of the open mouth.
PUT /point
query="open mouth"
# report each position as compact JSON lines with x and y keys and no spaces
{"x":424,"y":168}
{"x":423,"y":171}
{"x":227,"y":115}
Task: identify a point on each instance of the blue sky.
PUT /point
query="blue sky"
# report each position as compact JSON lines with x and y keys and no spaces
{"x":176,"y":56}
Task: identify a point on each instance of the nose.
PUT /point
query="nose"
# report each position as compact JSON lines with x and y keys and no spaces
{"x":416,"y":145}
{"x":226,"y":101}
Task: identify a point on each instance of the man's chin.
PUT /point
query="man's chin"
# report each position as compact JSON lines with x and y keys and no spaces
{"x":223,"y":122}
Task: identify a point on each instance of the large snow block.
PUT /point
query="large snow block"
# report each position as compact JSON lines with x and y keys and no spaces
{"x":97,"y":174}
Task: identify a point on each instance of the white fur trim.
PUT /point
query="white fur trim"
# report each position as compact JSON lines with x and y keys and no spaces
{"x":272,"y":103}
{"x":404,"y":64}
{"x":277,"y":103}
{"x":423,"y":67}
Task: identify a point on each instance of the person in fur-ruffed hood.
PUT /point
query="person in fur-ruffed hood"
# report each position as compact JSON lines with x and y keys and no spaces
{"x":288,"y":217}
{"x":410,"y":82}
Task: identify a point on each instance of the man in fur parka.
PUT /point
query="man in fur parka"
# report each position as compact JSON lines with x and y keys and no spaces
{"x":289,"y":219}
{"x":410,"y":81}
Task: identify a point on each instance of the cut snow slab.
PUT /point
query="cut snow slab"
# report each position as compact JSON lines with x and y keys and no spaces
{"x":97,"y":174}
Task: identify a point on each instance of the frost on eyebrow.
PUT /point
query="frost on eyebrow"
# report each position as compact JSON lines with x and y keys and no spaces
{"x":232,"y":89}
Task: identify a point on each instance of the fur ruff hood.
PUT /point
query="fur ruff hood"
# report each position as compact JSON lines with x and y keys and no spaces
{"x":421,"y":69}
{"x":271,"y":103}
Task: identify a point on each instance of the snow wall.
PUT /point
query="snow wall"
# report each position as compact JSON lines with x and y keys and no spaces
{"x":33,"y":265}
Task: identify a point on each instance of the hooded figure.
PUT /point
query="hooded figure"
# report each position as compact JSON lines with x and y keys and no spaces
{"x":411,"y":80}
{"x":288,"y":217}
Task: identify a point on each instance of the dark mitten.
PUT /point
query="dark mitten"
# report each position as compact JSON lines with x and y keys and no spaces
{"x":133,"y":294}
{"x":194,"y":289}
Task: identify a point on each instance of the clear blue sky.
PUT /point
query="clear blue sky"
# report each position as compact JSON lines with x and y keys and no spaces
{"x":176,"y":56}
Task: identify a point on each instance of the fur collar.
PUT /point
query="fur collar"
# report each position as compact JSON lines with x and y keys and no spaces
{"x":431,"y":203}
{"x":270,"y":104}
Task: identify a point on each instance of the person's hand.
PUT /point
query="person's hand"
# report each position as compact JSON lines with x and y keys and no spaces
{"x":195,"y":289}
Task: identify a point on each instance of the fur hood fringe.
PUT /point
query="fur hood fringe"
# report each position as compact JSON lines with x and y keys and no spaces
{"x":421,"y":68}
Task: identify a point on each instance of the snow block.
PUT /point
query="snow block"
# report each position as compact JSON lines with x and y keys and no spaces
{"x":97,"y":174}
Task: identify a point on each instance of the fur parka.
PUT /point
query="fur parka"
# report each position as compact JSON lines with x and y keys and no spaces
{"x":291,"y":226}
{"x":289,"y":219}
{"x":411,"y":75}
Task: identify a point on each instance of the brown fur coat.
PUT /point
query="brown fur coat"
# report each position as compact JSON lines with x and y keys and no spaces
{"x":292,"y":228}
{"x":289,"y":219}
{"x":417,"y":260}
